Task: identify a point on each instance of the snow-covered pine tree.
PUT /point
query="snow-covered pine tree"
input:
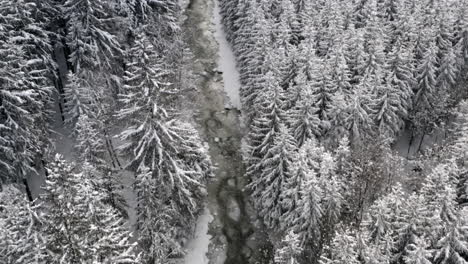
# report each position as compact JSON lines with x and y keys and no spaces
{"x":292,"y":194}
{"x":90,"y":144}
{"x":229,"y":17}
{"x":309,"y":215}
{"x":154,"y":138}
{"x":254,"y":59}
{"x":305,"y":123}
{"x":461,"y":38}
{"x":426,"y":106}
{"x":332,"y":201}
{"x":79,"y":226}
{"x":22,"y":239}
{"x":374,"y":46}
{"x":25,"y":93}
{"x":357,"y":115}
{"x":155,"y":220}
{"x":268,"y":118}
{"x":77,"y":99}
{"x":289,"y":249}
{"x":418,"y":253}
{"x":161,"y":23}
{"x":331,"y":21}
{"x":343,"y":249}
{"x":447,"y":75}
{"x":401,"y":74}
{"x":92,"y":45}
{"x":409,"y":225}
{"x":389,"y":109}
{"x":452,"y":246}
{"x":274,"y":170}
{"x":337,"y":64}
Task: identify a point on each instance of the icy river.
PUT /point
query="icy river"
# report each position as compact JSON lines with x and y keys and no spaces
{"x":225,"y":232}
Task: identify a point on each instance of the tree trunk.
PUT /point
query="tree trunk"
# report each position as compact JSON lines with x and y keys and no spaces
{"x":420,"y":142}
{"x":28,"y":190}
{"x":410,"y":143}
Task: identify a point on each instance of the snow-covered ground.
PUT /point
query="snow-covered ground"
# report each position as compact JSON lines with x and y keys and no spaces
{"x":412,"y":148}
{"x":227,"y":61}
{"x":198,"y":246}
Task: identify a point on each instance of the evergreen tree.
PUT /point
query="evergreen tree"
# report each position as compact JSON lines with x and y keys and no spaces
{"x":92,"y":45}
{"x":401,"y":75}
{"x":25,"y":93}
{"x":417,"y":253}
{"x":155,"y":139}
{"x":357,"y":115}
{"x":79,"y":227}
{"x":265,"y":125}
{"x":452,"y":247}
{"x":156,"y":220}
{"x":389,"y":110}
{"x":344,"y":249}
{"x":77,"y":99}
{"x":447,"y":74}
{"x":23,"y":240}
{"x":289,"y":250}
{"x":304,"y":120}
{"x":275,"y":168}
{"x":309,"y":215}
{"x":292,"y":194}
{"x":426,"y":107}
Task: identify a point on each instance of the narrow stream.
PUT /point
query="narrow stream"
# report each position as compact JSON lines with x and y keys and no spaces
{"x":221,"y":128}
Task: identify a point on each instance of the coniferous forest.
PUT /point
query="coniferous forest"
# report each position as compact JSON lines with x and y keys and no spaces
{"x":119,"y":131}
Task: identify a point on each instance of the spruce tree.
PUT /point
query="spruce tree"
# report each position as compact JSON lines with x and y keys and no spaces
{"x":289,"y":251}
{"x":275,"y":168}
{"x":92,"y":45}
{"x":79,"y":226}
{"x":23,"y":240}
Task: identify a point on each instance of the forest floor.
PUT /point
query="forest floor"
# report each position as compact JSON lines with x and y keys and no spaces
{"x":233,"y":239}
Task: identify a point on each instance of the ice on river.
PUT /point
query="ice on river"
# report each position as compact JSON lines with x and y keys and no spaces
{"x":227,"y":61}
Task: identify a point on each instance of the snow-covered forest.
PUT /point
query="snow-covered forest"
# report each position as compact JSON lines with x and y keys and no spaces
{"x":329,"y":88}
{"x":111,"y":78}
{"x":234,"y":131}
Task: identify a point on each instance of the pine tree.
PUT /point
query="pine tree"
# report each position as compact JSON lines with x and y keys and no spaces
{"x":292,"y":190}
{"x":452,"y":247}
{"x":90,"y":144}
{"x":425,"y":107}
{"x":289,"y":250}
{"x":275,"y":168}
{"x":155,"y":220}
{"x":357,"y":115}
{"x":92,"y":45}
{"x":343,"y":250}
{"x":155,"y":139}
{"x":309,"y":214}
{"x":417,"y":253}
{"x":304,"y":120}
{"x":409,"y":225}
{"x":337,"y":63}
{"x":77,"y":98}
{"x":79,"y":226}
{"x":25,"y":93}
{"x":389,"y":109}
{"x":23,"y":240}
{"x":447,"y":74}
{"x":401,"y":75}
{"x":265,"y":126}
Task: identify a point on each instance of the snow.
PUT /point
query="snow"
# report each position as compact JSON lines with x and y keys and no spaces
{"x":198,"y":246}
{"x":227,"y":61}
